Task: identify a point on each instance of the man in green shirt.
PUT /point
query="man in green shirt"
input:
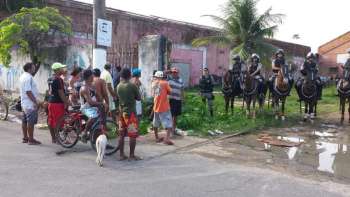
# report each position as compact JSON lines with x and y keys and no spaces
{"x":128,"y":94}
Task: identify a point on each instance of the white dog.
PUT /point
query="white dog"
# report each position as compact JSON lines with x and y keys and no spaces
{"x":101,"y":144}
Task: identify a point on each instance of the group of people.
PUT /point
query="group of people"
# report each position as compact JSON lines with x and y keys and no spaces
{"x":100,"y":94}
{"x":254,"y":68}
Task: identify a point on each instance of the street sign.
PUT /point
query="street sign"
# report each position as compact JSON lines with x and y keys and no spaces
{"x":104,"y":32}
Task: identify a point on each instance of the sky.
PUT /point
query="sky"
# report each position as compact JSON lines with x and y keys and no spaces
{"x":316,"y":21}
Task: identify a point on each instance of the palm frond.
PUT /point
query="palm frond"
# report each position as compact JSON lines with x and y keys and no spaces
{"x":218,"y":40}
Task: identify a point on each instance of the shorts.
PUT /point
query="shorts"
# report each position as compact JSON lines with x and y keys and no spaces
{"x":30,"y":117}
{"x":90,"y":112}
{"x":175,"y":107}
{"x":129,"y":123}
{"x":56,"y":111}
{"x":163,"y":119}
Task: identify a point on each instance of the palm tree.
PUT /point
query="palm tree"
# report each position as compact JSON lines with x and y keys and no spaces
{"x":244,"y":30}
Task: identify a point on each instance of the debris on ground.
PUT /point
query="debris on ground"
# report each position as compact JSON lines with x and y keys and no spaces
{"x":42,"y":126}
{"x":274,"y":141}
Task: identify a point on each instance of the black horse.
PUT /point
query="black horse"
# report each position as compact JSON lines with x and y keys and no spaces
{"x":308,"y":94}
{"x":280,"y":90}
{"x":343,"y":88}
{"x":231,"y":89}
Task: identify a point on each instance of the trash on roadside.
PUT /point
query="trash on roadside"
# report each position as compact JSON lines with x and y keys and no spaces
{"x":189,"y":133}
{"x":42,"y":126}
{"x":212,"y":133}
{"x":218,"y":132}
{"x":270,"y":140}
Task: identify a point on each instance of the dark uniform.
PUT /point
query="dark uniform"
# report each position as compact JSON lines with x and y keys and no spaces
{"x":346,"y":70}
{"x":277,"y":63}
{"x":305,"y":69}
{"x":256,"y":68}
{"x":206,"y":86}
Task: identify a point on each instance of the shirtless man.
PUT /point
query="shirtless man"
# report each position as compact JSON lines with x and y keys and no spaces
{"x":101,"y":90}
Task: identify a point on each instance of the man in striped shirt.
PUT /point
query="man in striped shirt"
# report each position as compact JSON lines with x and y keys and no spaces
{"x":176,"y":96}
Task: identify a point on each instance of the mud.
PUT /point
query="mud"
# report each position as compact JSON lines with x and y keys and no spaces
{"x":323,"y":151}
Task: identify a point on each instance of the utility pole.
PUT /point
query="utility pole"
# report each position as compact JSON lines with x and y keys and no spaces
{"x":99,"y":54}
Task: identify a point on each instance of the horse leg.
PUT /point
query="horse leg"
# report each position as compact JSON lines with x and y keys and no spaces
{"x":226,"y":103}
{"x":254,"y":103}
{"x":311,"y":111}
{"x":275,"y":107}
{"x":283,"y":104}
{"x":342,"y":107}
{"x":248,"y":100}
{"x":306,"y":115}
{"x":349,"y":108}
{"x":315,"y":110}
{"x":232,"y":104}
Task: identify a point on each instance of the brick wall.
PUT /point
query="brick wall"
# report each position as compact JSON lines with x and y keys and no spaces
{"x":330,"y":51}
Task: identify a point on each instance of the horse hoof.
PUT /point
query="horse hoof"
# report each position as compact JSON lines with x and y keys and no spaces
{"x":312,"y":116}
{"x":276,"y":117}
{"x":283,"y":118}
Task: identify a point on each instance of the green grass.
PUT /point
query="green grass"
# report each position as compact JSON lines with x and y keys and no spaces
{"x":196,"y":118}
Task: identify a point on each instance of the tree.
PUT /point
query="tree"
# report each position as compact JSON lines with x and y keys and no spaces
{"x":31,"y":31}
{"x":244,"y":30}
{"x":15,"y":5}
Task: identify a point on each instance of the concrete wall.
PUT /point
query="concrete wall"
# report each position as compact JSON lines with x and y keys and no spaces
{"x":9,"y":77}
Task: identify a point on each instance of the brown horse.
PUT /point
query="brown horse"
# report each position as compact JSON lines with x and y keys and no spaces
{"x":250,"y":93}
{"x":343,"y":88}
{"x":231,"y":88}
{"x":280,"y":90}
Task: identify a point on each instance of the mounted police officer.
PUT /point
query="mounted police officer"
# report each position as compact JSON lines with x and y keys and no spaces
{"x":309,"y":66}
{"x":346,"y":68}
{"x":255,"y":70}
{"x":233,"y":81}
{"x":206,"y":86}
{"x":277,"y":64}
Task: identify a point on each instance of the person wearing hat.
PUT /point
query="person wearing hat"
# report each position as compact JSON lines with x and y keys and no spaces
{"x":255,"y":70}
{"x":176,"y":97}
{"x":161,"y":108}
{"x":57,"y":98}
{"x":206,"y":86}
{"x":309,"y":66}
{"x":277,"y":63}
{"x":112,"y":96}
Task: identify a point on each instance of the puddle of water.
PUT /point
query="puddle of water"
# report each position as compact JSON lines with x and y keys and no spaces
{"x":325,"y":149}
{"x":325,"y":134}
{"x":329,"y":155}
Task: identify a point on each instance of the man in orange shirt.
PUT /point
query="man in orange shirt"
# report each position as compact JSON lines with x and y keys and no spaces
{"x":161,"y":108}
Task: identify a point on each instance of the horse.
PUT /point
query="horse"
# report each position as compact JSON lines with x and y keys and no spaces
{"x":251,"y":94}
{"x":280,"y":90}
{"x":343,"y":88}
{"x":231,"y":88}
{"x":309,"y":94}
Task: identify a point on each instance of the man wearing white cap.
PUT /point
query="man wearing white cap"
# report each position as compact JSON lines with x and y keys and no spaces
{"x":162,"y":115}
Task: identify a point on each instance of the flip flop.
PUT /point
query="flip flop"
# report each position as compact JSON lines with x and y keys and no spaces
{"x":159,"y":140}
{"x":170,"y":143}
{"x":33,"y":142}
{"x":123,"y":158}
{"x":135,"y":158}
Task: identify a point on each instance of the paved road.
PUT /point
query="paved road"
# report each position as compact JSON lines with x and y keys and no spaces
{"x":38,"y":171}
